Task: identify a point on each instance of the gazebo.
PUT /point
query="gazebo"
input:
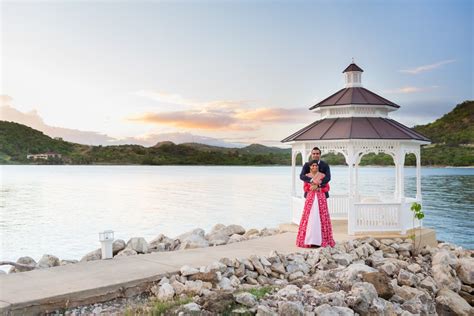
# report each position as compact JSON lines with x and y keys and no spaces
{"x":355,"y":121}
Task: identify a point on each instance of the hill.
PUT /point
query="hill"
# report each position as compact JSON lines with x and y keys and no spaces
{"x":452,"y":136}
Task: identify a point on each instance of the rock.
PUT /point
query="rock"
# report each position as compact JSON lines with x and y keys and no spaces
{"x":66,"y":262}
{"x":381,"y":282}
{"x":278,"y":267}
{"x":263,"y":310}
{"x":225,"y":284}
{"x":445,"y":277}
{"x":364,"y":294}
{"x":413,"y":305}
{"x":126,"y":252}
{"x":354,"y":270}
{"x":444,"y":257}
{"x":288,"y":291}
{"x":414,"y":268}
{"x":191,"y":308}
{"x":407,"y":278}
{"x":195,"y":232}
{"x":234,"y":281}
{"x":118,"y":245}
{"x":251,"y":232}
{"x":236,"y":238}
{"x":93,"y":255}
{"x":295,"y":275}
{"x":290,"y":309}
{"x":165,"y":292}
{"x":30,"y":262}
{"x":232,"y":229}
{"x":138,"y":244}
{"x":387,"y":242}
{"x":246,"y":299}
{"x":187,"y":270}
{"x":449,"y":302}
{"x":406,"y":292}
{"x":343,"y":259}
{"x":215,"y":267}
{"x":429,"y":284}
{"x":216,"y":228}
{"x":328,"y":310}
{"x":217,"y":302}
{"x":257,"y":265}
{"x":193,"y":241}
{"x":465,"y":270}
{"x":469,"y":298}
{"x":178,"y":287}
{"x":405,"y":247}
{"x":193,"y":287}
{"x":297,"y":266}
{"x":204,"y":276}
{"x":218,"y":239}
{"x":47,"y":261}
{"x":389,"y":268}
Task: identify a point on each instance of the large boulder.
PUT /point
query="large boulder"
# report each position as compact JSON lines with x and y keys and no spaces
{"x":362,"y":296}
{"x":381,"y":282}
{"x":139,"y":244}
{"x":126,"y":252}
{"x":450,"y":303}
{"x":354,"y":271}
{"x":445,"y":277}
{"x":93,"y":255}
{"x":465,"y":270}
{"x":290,"y":308}
{"x":193,"y":239}
{"x":246,"y":299}
{"x":29,"y":262}
{"x":328,"y":310}
{"x":118,"y":246}
{"x":48,"y":261}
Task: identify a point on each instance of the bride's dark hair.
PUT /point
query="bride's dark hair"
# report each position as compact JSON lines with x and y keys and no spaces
{"x":312,"y":162}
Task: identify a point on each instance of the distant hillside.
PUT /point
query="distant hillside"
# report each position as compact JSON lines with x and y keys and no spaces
{"x":453,"y":128}
{"x":17,"y":140}
{"x":452,"y":136}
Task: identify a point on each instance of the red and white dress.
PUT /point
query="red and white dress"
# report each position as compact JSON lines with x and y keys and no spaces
{"x":315,"y":225}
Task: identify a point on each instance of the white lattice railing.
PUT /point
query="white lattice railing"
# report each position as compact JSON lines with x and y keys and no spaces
{"x":338,"y":205}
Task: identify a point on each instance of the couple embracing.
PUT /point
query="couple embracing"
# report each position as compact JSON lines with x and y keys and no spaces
{"x":315,"y":228}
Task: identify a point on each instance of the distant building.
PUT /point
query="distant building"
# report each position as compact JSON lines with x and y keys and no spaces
{"x":44,"y":156}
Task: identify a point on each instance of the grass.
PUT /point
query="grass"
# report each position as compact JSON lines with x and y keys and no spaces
{"x":259,"y":293}
{"x":158,"y":307}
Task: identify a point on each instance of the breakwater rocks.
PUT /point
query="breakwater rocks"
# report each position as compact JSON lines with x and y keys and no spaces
{"x":365,"y":277}
{"x":197,"y":238}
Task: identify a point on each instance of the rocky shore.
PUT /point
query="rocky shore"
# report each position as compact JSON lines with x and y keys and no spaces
{"x":365,"y":277}
{"x":197,"y":238}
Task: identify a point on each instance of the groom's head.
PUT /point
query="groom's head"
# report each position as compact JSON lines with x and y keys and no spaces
{"x":315,"y":154}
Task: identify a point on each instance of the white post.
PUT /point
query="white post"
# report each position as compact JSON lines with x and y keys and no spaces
{"x":401,"y":191}
{"x":418,"y":175}
{"x":351,"y":216}
{"x":293,"y":171}
{"x":356,"y":187}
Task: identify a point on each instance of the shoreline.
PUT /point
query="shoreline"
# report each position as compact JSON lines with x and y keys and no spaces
{"x":363,"y":275}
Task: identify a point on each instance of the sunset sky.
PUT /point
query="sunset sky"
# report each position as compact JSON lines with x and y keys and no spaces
{"x":233,"y":71}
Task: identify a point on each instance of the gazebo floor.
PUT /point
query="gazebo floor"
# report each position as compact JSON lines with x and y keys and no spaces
{"x":339,"y":228}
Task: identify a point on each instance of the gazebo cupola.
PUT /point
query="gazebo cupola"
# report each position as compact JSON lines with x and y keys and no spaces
{"x":353,"y":76}
{"x":355,"y":121}
{"x":354,"y":100}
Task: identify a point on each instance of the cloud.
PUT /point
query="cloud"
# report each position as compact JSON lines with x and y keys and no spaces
{"x":34,"y":120}
{"x":408,"y":89}
{"x":192,"y":120}
{"x":216,"y":115}
{"x":177,"y":99}
{"x":420,"y":69}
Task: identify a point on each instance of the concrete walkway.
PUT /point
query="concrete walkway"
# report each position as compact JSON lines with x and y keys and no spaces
{"x":88,"y":282}
{"x":83,"y":283}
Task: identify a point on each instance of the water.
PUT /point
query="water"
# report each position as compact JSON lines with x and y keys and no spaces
{"x":60,"y":209}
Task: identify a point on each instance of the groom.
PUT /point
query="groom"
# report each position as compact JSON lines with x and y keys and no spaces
{"x":323,"y":167}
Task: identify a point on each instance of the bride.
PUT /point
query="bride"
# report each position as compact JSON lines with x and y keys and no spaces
{"x":315,"y":226}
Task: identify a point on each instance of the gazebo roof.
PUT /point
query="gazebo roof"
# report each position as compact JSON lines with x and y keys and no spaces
{"x":355,"y":128}
{"x":353,"y":67}
{"x":355,"y":95}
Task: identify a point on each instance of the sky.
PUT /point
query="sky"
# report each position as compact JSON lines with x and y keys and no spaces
{"x":223,"y":72}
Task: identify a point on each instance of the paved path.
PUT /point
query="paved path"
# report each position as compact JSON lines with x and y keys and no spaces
{"x":82,"y":283}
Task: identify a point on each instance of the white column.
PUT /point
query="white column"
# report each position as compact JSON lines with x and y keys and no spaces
{"x":356,"y":182}
{"x":293,"y":171}
{"x":351,"y":216}
{"x":418,"y":175}
{"x":401,"y":179}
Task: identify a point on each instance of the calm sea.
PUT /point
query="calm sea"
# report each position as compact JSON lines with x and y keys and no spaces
{"x":60,"y":210}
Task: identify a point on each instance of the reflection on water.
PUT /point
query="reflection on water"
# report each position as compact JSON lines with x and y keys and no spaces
{"x":60,"y":209}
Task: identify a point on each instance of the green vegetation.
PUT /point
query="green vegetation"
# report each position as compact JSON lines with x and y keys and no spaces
{"x":259,"y":293}
{"x":157,"y":307}
{"x":452,"y":136}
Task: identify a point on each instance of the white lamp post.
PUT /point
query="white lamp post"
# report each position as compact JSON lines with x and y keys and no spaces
{"x":106,"y":239}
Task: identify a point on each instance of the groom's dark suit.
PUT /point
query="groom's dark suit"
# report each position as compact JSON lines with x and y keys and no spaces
{"x":323,"y":167}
